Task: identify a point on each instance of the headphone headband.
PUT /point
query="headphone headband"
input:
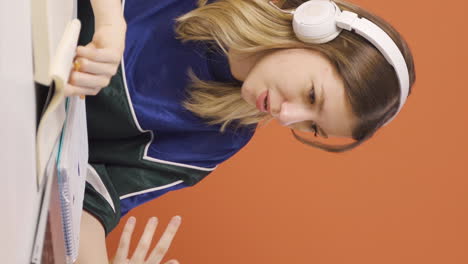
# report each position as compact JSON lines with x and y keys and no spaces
{"x":321,"y":21}
{"x":382,"y":41}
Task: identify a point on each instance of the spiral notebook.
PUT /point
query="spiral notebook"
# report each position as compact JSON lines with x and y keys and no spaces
{"x":72,"y":162}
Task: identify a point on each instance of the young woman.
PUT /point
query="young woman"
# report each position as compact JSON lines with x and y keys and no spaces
{"x":187,"y":83}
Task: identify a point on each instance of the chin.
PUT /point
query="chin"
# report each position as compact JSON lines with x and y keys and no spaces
{"x":247,"y":95}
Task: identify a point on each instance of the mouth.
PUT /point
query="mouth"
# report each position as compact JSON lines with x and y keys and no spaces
{"x":262,"y":102}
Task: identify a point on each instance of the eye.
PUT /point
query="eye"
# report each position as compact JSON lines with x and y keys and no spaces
{"x":312,"y":95}
{"x":314,"y":129}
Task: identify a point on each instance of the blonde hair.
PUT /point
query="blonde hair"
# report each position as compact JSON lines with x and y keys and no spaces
{"x":252,"y":26}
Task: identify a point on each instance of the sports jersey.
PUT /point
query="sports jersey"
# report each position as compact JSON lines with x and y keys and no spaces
{"x":142,"y":141}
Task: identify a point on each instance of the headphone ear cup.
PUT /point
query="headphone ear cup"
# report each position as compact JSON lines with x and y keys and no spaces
{"x":315,"y":21}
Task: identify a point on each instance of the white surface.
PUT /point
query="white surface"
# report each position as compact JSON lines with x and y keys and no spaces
{"x":19,"y":196}
{"x":17,"y":134}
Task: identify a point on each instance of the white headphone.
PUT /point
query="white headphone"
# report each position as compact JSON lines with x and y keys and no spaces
{"x":320,"y":21}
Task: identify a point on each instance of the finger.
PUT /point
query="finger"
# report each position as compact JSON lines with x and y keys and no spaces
{"x":145,"y":241}
{"x":124,"y":244}
{"x":172,"y":261}
{"x":88,"y":80}
{"x":97,"y":68}
{"x":72,"y":90}
{"x":166,"y":239}
{"x":98,"y":55}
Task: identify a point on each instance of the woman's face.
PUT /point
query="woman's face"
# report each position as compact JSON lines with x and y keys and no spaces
{"x":301,"y":89}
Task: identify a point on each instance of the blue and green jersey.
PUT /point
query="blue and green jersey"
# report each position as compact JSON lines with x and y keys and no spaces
{"x":142,"y":141}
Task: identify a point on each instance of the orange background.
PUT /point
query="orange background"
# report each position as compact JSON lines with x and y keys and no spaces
{"x":400,"y":198}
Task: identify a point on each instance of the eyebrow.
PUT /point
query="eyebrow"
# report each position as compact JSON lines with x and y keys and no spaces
{"x":322,"y":99}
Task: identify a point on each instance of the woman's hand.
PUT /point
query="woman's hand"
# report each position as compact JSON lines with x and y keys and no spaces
{"x":97,"y":62}
{"x":156,"y":256}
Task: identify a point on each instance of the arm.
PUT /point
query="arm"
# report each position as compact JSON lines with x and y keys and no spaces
{"x":109,"y":19}
{"x":92,"y":241}
{"x":107,"y":12}
{"x":97,"y":62}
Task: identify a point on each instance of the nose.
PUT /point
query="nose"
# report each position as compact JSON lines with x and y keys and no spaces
{"x":292,"y":113}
